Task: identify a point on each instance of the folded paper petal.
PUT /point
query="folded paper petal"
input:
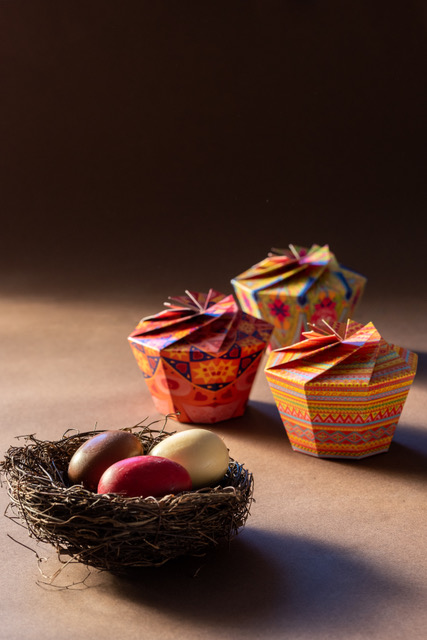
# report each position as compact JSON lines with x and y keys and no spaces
{"x":325,"y":348}
{"x":216,"y":315}
{"x":276,"y":268}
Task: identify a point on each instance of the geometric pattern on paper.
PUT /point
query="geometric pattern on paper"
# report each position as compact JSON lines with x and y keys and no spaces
{"x":148,"y":363}
{"x":247,"y":361}
{"x":183,"y":368}
{"x":197,"y":355}
{"x":351,"y":408}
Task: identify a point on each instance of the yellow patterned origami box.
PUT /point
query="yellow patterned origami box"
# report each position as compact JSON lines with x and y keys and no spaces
{"x":297,"y":286}
{"x":340,"y":391}
{"x":199,"y":357}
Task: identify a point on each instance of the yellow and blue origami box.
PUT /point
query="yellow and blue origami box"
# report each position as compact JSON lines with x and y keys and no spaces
{"x":293,"y":287}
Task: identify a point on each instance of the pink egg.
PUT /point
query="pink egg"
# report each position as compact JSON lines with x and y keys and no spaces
{"x":145,"y":476}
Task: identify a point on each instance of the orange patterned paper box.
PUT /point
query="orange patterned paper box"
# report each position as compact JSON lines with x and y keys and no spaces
{"x":291,"y":288}
{"x":199,"y":357}
{"x":341,"y":390}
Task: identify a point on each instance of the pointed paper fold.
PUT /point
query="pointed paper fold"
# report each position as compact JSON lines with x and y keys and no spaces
{"x":286,"y":265}
{"x":292,"y":287}
{"x":327,"y":346}
{"x":341,"y":390}
{"x":199,"y":356}
{"x":214,"y":316}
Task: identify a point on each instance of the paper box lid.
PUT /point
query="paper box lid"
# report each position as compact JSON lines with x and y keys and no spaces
{"x":342,"y":354}
{"x":212,"y":322}
{"x":297,"y":269}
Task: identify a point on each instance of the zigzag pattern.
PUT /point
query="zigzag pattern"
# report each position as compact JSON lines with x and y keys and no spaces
{"x":345,"y":451}
{"x":339,"y":418}
{"x":340,"y":437}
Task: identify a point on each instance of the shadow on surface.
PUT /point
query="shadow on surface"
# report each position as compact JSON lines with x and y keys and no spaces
{"x":421,"y":374}
{"x":407,"y":454}
{"x":270,"y":582}
{"x":261,"y":420}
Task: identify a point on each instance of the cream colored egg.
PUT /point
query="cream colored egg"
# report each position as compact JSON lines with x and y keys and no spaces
{"x":202,"y":452}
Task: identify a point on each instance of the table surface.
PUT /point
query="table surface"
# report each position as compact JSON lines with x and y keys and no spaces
{"x":332,"y":549}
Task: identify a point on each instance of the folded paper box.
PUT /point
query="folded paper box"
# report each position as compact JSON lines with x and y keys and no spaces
{"x":340,"y":391}
{"x":293,"y":287}
{"x":199,"y":357}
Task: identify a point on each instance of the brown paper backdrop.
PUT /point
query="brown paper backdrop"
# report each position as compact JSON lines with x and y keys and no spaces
{"x":141,"y":139}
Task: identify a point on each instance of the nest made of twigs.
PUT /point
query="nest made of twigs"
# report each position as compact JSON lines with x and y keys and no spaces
{"x":114,"y":532}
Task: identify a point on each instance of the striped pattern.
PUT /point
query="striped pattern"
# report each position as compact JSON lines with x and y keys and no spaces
{"x":341,"y":394}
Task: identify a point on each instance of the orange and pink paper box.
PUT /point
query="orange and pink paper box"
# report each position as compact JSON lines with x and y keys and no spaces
{"x":199,"y":357}
{"x":340,"y":391}
{"x":297,"y":286}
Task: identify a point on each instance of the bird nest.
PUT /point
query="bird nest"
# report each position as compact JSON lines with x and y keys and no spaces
{"x":114,"y":532}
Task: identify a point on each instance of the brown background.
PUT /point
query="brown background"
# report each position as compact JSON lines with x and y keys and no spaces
{"x":150,"y":147}
{"x":142,"y":138}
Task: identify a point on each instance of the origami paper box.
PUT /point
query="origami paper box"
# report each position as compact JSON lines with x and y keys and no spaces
{"x":199,"y":357}
{"x":291,"y":288}
{"x":341,"y":390}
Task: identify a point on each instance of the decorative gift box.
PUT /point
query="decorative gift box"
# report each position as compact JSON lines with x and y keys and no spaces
{"x":341,"y":390}
{"x":293,"y":287}
{"x":199,"y":357}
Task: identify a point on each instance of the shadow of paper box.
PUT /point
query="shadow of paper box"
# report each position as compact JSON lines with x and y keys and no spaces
{"x":291,"y":288}
{"x":199,"y":357}
{"x":340,"y":391}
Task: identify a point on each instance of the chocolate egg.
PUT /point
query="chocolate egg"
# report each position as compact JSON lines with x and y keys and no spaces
{"x":145,"y":476}
{"x":202,"y":452}
{"x":98,"y":453}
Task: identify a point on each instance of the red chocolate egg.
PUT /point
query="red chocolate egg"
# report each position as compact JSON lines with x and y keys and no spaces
{"x":98,"y":453}
{"x":145,"y":476}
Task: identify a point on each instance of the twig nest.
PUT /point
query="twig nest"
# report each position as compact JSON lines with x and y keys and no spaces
{"x":114,"y":532}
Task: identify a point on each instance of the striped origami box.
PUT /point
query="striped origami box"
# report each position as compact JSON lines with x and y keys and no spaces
{"x":340,"y":391}
{"x":297,"y":286}
{"x":199,"y":357}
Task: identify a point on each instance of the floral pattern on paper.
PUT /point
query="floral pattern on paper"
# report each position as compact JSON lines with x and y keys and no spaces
{"x":324,"y":310}
{"x":279,"y":309}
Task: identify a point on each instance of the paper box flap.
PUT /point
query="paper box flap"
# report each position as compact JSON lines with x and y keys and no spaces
{"x":296,"y":268}
{"x":329,"y":345}
{"x":212,"y":320}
